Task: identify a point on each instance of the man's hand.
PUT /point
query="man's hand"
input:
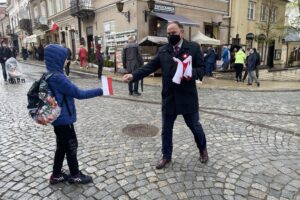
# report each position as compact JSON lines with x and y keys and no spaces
{"x":127,"y":78}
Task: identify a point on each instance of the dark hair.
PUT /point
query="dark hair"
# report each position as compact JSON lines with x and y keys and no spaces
{"x":254,"y":49}
{"x":177,"y":23}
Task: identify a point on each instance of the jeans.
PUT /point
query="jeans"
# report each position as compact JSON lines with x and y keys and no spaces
{"x":192,"y":121}
{"x":209,"y":68}
{"x":66,"y":144}
{"x":252,"y":77}
{"x":67,"y":68}
{"x":133,"y":86}
{"x":4,"y":72}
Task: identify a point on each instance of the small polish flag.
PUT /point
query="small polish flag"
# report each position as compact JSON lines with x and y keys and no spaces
{"x":107,"y":86}
{"x":54,"y":26}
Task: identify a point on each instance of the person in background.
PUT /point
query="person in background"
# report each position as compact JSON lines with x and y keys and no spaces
{"x":257,"y":63}
{"x":24,"y":53}
{"x":100,"y":60}
{"x":132,"y":60}
{"x":210,"y":61}
{"x":251,"y":67}
{"x":82,"y":55}
{"x":5,"y":54}
{"x":240,"y":58}
{"x":225,"y":58}
{"x":41,"y":52}
{"x":69,"y":58}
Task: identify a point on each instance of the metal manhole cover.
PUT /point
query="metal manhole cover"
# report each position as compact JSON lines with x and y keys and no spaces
{"x":140,"y":130}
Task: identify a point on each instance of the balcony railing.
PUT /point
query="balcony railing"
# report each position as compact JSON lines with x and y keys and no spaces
{"x":82,"y":8}
{"x":41,"y":23}
{"x":25,"y":24}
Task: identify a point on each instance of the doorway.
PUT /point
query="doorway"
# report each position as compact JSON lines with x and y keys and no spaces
{"x":72,"y":32}
{"x":271,"y":50}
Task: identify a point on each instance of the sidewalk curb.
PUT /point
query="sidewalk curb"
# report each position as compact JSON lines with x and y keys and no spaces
{"x":154,"y":85}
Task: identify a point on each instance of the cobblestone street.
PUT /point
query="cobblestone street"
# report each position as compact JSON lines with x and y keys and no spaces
{"x":253,"y":144}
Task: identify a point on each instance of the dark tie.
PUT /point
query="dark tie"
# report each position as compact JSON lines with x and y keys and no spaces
{"x":176,"y":48}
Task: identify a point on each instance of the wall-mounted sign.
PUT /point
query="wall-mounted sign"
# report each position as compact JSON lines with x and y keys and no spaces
{"x":161,"y":8}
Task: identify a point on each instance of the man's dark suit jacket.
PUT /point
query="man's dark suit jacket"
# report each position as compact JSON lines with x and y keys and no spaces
{"x":176,"y":99}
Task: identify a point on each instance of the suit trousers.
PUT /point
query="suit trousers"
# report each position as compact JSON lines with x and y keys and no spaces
{"x":66,"y":145}
{"x":133,"y":86}
{"x":192,"y":121}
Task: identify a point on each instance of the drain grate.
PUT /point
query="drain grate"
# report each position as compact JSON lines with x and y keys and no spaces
{"x":140,"y":130}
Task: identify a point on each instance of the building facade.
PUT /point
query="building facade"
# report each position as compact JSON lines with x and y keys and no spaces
{"x":248,"y":27}
{"x":111,"y":28}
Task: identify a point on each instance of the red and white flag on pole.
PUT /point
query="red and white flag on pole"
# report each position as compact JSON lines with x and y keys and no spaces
{"x":54,"y":26}
{"x":107,"y":86}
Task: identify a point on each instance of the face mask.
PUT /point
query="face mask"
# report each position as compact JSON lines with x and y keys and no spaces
{"x":174,"y":39}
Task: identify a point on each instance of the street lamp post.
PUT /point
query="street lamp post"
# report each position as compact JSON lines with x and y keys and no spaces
{"x":120,"y":6}
{"x":151,"y":5}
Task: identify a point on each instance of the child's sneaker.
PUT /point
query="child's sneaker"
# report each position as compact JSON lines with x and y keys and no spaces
{"x":80,"y":178}
{"x":58,"y":179}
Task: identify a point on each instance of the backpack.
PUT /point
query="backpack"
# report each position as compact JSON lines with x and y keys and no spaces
{"x":42,"y":106}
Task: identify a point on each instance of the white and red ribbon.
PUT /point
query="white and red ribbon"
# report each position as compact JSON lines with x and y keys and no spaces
{"x":107,"y":86}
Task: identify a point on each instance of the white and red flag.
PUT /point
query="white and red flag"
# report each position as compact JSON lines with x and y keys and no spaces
{"x":54,"y":26}
{"x":184,"y":69}
{"x":107,"y":86}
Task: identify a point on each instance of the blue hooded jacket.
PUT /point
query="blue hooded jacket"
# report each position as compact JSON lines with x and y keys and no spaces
{"x":61,"y":86}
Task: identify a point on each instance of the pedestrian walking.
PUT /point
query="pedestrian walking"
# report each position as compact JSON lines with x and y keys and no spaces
{"x":65,"y":92}
{"x":225,"y":58}
{"x":210,"y":61}
{"x":132,"y":60}
{"x":246,"y":64}
{"x":24,"y":53}
{"x":177,"y":99}
{"x":100,"y":60}
{"x":5,"y":54}
{"x":69,"y":58}
{"x":40,"y":52}
{"x":239,"y":62}
{"x":82,"y":55}
{"x":257,"y":63}
{"x":251,"y":68}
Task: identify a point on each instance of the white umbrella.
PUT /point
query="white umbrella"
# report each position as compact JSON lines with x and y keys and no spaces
{"x":200,"y":38}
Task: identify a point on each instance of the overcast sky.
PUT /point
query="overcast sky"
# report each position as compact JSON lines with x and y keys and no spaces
{"x":1,"y":1}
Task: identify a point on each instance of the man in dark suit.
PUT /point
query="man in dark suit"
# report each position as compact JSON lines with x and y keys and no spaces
{"x":177,"y":99}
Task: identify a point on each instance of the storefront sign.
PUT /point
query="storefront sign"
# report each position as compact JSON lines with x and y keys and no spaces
{"x":161,"y":8}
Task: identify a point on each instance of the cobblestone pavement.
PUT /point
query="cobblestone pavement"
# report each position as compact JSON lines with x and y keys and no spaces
{"x":253,"y":142}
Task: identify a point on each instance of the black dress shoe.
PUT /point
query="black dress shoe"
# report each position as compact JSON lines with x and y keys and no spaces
{"x":130,"y":93}
{"x":136,"y":93}
{"x":203,"y":156}
{"x":163,"y":163}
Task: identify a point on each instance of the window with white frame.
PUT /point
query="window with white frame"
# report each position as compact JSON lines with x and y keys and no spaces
{"x":274,"y":14}
{"x":35,"y":12}
{"x":58,"y":5}
{"x":50,"y":7}
{"x":43,"y":9}
{"x":263,"y":13}
{"x":251,"y":10}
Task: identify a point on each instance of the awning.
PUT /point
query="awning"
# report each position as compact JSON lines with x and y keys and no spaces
{"x":178,"y":18}
{"x":200,"y":38}
{"x":153,"y":40}
{"x":30,"y":39}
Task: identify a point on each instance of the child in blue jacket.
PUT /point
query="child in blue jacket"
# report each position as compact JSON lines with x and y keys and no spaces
{"x":65,"y":92}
